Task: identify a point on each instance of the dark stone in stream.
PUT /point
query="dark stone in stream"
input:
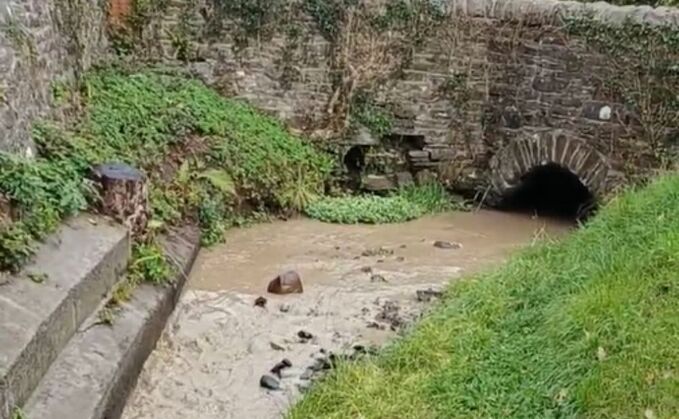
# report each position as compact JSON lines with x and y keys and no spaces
{"x":260,"y":302}
{"x":304,"y":335}
{"x":269,"y":382}
{"x":377,"y":278}
{"x":276,"y":347}
{"x":284,"y":308}
{"x":400,"y":259}
{"x":447,"y":245}
{"x":390,"y":314}
{"x":427,"y":295}
{"x":380,"y":251}
{"x":285,"y":363}
{"x":375,"y":325}
{"x":366,"y":269}
{"x":287,"y":283}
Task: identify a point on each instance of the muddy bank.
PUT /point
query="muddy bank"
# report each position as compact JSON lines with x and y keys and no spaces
{"x":361,"y":286}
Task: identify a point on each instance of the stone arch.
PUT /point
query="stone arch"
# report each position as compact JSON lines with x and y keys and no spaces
{"x":525,"y":153}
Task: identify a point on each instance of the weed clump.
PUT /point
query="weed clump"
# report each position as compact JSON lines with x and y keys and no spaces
{"x":407,"y":204}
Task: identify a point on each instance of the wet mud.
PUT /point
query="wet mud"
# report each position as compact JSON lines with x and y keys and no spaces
{"x":362,"y":286}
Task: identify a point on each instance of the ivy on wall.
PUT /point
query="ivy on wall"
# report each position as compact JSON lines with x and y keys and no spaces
{"x":643,"y":75}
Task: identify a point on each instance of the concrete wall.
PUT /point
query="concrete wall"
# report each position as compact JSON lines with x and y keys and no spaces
{"x":43,"y":46}
{"x":523,"y":75}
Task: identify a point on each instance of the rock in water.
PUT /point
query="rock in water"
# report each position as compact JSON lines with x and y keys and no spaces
{"x":287,"y":283}
{"x":377,"y":278}
{"x":427,"y":295}
{"x":260,"y":302}
{"x":304,"y":335}
{"x":269,"y":382}
{"x":447,"y":245}
{"x":285,"y":363}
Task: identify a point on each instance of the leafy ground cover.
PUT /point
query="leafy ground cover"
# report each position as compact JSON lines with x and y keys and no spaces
{"x":207,"y":157}
{"x":585,"y":327}
{"x":406,"y":204}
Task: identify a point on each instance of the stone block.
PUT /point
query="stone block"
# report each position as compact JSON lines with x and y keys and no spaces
{"x":404,"y":179}
{"x":378,"y":183}
{"x":549,"y":83}
{"x":81,"y":262}
{"x":425,"y":176}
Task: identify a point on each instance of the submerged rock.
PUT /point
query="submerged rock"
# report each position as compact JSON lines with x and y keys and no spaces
{"x":377,"y":278}
{"x":427,"y":295}
{"x":307,"y":374}
{"x":269,"y":382}
{"x":379,"y":251}
{"x":447,"y":245}
{"x":285,"y":363}
{"x":276,"y":346}
{"x":260,"y":302}
{"x":304,"y":335}
{"x":287,"y":283}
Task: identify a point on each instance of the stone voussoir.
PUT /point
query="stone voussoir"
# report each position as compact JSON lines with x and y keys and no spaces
{"x":72,"y":271}
{"x":92,"y":377}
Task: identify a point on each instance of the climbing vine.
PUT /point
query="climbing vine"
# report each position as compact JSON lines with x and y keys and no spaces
{"x":643,"y":76}
{"x":246,"y":19}
{"x":368,"y":45}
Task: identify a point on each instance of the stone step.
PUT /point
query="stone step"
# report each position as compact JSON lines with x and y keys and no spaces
{"x":93,"y":376}
{"x":43,"y":306}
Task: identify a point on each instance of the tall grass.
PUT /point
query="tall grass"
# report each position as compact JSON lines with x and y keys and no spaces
{"x":587,"y":327}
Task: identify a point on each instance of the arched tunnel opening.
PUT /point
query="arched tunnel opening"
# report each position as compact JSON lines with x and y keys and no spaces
{"x":553,"y":191}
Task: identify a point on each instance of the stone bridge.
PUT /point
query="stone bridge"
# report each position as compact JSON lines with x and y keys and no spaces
{"x":500,"y":89}
{"x":503,"y":87}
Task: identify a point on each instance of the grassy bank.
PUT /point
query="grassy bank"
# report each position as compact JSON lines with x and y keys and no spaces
{"x":208,"y":159}
{"x":588,"y":327}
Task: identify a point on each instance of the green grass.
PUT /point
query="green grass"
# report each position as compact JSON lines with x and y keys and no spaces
{"x":586,"y":327}
{"x":221,"y":155}
{"x":406,"y":204}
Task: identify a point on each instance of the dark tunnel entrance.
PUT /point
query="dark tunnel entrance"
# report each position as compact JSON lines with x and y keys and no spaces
{"x":553,"y":191}
{"x":354,"y":160}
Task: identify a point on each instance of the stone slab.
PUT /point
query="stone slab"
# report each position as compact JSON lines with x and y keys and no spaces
{"x":79,"y":264}
{"x":94,"y":374}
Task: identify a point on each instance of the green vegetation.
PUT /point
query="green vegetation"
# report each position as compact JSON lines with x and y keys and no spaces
{"x":642,"y":74}
{"x":585,"y":327}
{"x":208,"y":159}
{"x":407,"y":204}
{"x":376,"y":119}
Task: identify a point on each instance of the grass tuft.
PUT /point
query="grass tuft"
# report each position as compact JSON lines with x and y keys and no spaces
{"x":585,"y":327}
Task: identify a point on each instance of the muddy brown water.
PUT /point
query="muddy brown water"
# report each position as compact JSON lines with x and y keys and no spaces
{"x":217,"y":344}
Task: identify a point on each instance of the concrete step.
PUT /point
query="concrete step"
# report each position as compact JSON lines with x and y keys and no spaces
{"x":92,"y":377}
{"x":43,"y":306}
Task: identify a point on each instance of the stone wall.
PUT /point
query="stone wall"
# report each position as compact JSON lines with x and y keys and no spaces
{"x":499,"y":71}
{"x":44,"y":46}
